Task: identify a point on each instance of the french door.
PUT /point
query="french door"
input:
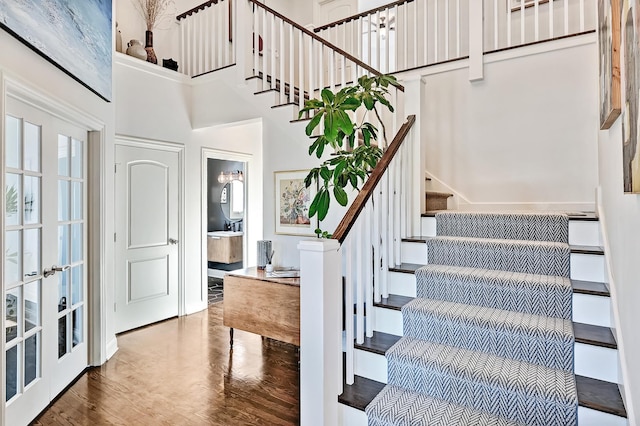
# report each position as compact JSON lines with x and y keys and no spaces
{"x":44,"y":259}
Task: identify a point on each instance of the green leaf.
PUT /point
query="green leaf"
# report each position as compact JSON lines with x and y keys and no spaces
{"x":338,"y":171}
{"x":340,"y":195}
{"x":325,"y":173}
{"x":320,"y":150}
{"x":323,"y":204}
{"x":313,"y":124}
{"x":366,"y":134}
{"x":327,"y":96}
{"x":330,"y":129}
{"x":368,"y":101}
{"x":313,"y":208}
{"x":350,"y":104}
{"x":344,"y":122}
{"x":353,"y":179}
{"x":313,"y":146}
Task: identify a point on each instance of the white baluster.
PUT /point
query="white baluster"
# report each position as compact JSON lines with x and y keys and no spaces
{"x":509,"y":18}
{"x":265,"y":45}
{"x":384,"y":232}
{"x":369,"y":39}
{"x":566,"y":17}
{"x":392,"y":210}
{"x":376,"y":242}
{"x":332,"y":71}
{"x":321,"y":68}
{"x":582,"y":15}
{"x":495,"y":23}
{"x":359,"y":39}
{"x":347,"y":249}
{"x":228,"y":29}
{"x":415,"y":34}
{"x":387,"y":41}
{"x":291,"y":79}
{"x":301,"y":72}
{"x":207,"y":29}
{"x":551,"y":13}
{"x":378,"y":61}
{"x":425,"y":41}
{"x":272,"y":50}
{"x":435,"y":30}
{"x":536,"y":20}
{"x":282,"y":55}
{"x":522,"y":22}
{"x":183,"y":46}
{"x":368,"y":265}
{"x":405,"y":170}
{"x":446,"y":30}
{"x":457,"y":28}
{"x":359,"y":243}
{"x":311,"y":62}
{"x":256,"y":41}
{"x":397,"y":202}
{"x":405,"y":35}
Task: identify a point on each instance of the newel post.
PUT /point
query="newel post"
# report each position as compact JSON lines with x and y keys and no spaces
{"x":476,"y":40}
{"x":320,"y":331}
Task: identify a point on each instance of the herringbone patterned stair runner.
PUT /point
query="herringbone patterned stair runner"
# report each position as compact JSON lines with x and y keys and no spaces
{"x":489,"y":339}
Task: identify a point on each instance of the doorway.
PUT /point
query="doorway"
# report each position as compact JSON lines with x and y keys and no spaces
{"x":225,"y":215}
{"x":148,"y":242}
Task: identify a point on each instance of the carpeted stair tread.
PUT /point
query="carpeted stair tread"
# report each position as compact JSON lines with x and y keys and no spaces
{"x":518,"y":391}
{"x":397,"y":406}
{"x":534,"y":257}
{"x":531,"y":338}
{"x":535,"y":294}
{"x":512,"y":226}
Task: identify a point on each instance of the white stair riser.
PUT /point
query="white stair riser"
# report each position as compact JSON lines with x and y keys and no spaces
{"x":584,"y":233}
{"x":350,"y":416}
{"x":401,"y":283}
{"x":413,"y":252}
{"x":387,"y":321}
{"x":597,"y":362}
{"x":590,"y":361}
{"x":581,"y":232}
{"x":590,"y":309}
{"x":587,"y":309}
{"x":370,"y":365}
{"x":428,"y":226}
{"x":586,"y":417}
{"x":587,"y":267}
{"x":589,"y":417}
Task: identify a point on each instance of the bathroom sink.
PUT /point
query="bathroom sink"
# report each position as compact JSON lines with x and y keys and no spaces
{"x":225,"y":233}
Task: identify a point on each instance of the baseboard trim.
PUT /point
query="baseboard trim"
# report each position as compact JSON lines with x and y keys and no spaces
{"x":112,"y":347}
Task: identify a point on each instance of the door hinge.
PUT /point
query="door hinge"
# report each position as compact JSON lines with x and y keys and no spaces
{"x":114,"y":237}
{"x":115,"y":167}
{"x":114,"y":307}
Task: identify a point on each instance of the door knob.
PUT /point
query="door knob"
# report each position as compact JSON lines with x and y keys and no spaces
{"x":173,"y":241}
{"x":55,"y":268}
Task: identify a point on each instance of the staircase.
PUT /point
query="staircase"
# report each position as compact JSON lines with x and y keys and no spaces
{"x":573,"y":318}
{"x":461,"y":336}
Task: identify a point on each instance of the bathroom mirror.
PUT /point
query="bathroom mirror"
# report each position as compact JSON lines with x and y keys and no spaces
{"x":232,"y":200}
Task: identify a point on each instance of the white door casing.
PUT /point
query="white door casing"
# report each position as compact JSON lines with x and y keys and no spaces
{"x":45,"y":223}
{"x":147,"y":240}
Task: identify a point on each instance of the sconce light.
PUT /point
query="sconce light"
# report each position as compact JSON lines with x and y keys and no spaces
{"x":226,"y":177}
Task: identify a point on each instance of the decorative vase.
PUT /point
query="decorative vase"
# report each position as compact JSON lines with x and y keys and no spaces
{"x":118,"y":40}
{"x":136,"y":50}
{"x":148,"y":46}
{"x":264,"y":252}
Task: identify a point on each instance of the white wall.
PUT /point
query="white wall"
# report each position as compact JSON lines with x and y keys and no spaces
{"x":524,"y":137}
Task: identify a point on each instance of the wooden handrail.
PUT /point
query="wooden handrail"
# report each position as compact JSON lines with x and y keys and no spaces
{"x":197,"y":9}
{"x":362,"y":14}
{"x":365,"y":193}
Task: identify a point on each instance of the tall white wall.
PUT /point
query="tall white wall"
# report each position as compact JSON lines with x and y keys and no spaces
{"x":524,"y":137}
{"x":619,"y":214}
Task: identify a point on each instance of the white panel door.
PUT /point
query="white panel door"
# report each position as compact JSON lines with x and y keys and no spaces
{"x":44,"y":259}
{"x":147,"y":201}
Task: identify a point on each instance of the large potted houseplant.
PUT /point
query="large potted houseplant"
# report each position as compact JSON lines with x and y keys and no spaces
{"x":356,"y":151}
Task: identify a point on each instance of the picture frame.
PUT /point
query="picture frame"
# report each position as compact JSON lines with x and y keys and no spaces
{"x":516,"y":5}
{"x":609,"y":55}
{"x":75,"y":36}
{"x":292,"y":201}
{"x":630,"y":33}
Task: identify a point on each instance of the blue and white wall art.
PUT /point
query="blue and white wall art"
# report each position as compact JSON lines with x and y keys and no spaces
{"x":74,"y":35}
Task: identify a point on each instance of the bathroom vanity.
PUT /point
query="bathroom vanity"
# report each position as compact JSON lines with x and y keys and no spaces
{"x":224,"y":246}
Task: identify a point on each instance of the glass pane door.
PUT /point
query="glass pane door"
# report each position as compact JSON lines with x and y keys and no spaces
{"x":22,"y":257}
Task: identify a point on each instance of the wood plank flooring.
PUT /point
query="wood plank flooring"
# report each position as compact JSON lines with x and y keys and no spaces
{"x":181,"y":372}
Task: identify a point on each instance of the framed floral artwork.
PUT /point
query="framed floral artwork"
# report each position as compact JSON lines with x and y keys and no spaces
{"x":293,"y":199}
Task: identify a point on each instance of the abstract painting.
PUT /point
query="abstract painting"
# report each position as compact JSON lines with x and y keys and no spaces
{"x":74,"y":35}
{"x":292,"y":203}
{"x":609,"y":47}
{"x":630,"y":149}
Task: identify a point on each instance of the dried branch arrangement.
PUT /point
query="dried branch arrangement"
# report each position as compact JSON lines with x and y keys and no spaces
{"x":151,"y":10}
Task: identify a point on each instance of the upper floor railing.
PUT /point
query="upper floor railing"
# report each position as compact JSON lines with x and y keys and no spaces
{"x":410,"y":34}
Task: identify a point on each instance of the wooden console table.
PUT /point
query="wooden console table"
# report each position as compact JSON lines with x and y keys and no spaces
{"x":257,"y":303}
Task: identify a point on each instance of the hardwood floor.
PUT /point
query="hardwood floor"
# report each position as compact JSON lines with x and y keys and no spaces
{"x":181,"y":372}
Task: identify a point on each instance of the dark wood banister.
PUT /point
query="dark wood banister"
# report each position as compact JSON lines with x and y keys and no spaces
{"x":197,"y":9}
{"x":362,"y":14}
{"x":303,"y":30}
{"x":367,"y":189}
